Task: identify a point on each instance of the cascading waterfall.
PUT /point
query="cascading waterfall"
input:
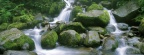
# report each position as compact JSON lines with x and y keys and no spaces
{"x":35,"y":35}
{"x":122,"y":43}
{"x":65,"y":13}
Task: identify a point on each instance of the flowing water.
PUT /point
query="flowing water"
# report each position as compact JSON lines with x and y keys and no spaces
{"x":36,"y":34}
{"x":122,"y":45}
{"x":64,"y":16}
{"x":65,"y":13}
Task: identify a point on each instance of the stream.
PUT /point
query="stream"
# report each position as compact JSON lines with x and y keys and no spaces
{"x":64,"y":16}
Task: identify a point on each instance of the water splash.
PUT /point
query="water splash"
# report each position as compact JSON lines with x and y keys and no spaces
{"x":121,"y":41}
{"x":65,"y":13}
{"x":35,"y":36}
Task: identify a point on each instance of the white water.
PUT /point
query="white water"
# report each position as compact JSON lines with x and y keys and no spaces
{"x":65,"y":13}
{"x":35,"y":36}
{"x":122,"y":43}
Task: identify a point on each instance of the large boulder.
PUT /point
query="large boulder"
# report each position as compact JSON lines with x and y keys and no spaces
{"x":132,"y":50}
{"x":92,"y":39}
{"x":13,"y":52}
{"x":93,"y":18}
{"x":14,"y":39}
{"x":49,"y":39}
{"x":141,"y":27}
{"x":77,"y":26}
{"x":127,"y":12}
{"x":109,"y":43}
{"x":69,"y":38}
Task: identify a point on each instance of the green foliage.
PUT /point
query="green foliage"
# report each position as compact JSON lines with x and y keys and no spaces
{"x":141,"y":3}
{"x":95,"y":6}
{"x":50,"y":7}
{"x":139,"y":18}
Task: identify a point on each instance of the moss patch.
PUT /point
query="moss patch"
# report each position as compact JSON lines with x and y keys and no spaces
{"x":49,"y":39}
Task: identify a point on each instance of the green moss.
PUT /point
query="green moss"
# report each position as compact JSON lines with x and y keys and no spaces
{"x":139,"y":18}
{"x":17,"y":25}
{"x":105,"y":17}
{"x":93,"y":18}
{"x":49,"y":39}
{"x":95,"y":6}
{"x":18,"y":43}
{"x":141,"y":29}
{"x":3,"y":26}
{"x":69,"y":38}
{"x":77,"y":26}
{"x":76,"y":10}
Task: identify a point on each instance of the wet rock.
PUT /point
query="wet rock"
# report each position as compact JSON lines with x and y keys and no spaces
{"x":14,"y":39}
{"x":13,"y":52}
{"x":98,"y":29}
{"x":77,"y":26}
{"x":133,"y":41}
{"x":92,"y":39}
{"x":109,"y":43}
{"x":49,"y":39}
{"x":93,"y":18}
{"x":140,"y":45}
{"x":69,"y":38}
{"x":123,"y":26}
{"x":132,"y":50}
{"x":127,"y":12}
{"x":83,"y":36}
{"x":110,"y":28}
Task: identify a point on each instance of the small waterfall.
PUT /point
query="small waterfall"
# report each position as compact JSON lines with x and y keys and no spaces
{"x":122,"y":42}
{"x":65,"y":13}
{"x":113,"y":22}
{"x":35,"y":36}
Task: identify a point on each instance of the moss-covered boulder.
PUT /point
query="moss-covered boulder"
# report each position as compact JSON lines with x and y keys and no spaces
{"x":92,"y":39}
{"x":93,"y":18}
{"x":3,"y":26}
{"x":95,"y":6}
{"x":127,"y":12}
{"x":77,"y":26}
{"x":49,"y":39}
{"x":17,"y":25}
{"x":141,"y":26}
{"x":14,"y":39}
{"x":69,"y":38}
